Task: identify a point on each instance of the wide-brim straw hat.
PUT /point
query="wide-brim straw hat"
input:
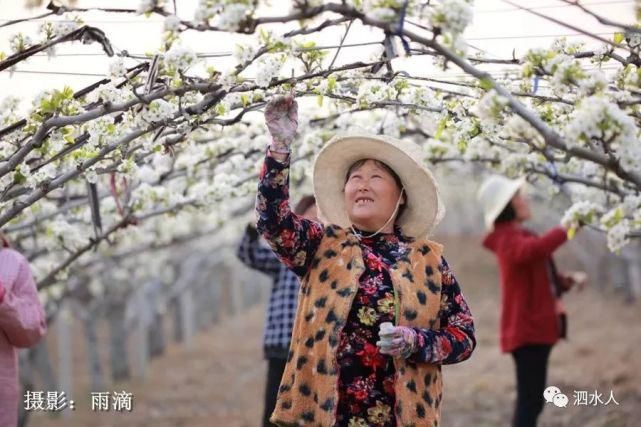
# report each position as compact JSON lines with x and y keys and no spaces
{"x":423,"y":209}
{"x":494,"y":194}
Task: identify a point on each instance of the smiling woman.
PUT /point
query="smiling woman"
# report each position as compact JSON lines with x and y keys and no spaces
{"x":368,"y":266}
{"x":373,"y":195}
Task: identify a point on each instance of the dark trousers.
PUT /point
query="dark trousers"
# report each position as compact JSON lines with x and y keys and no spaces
{"x":531,"y":371}
{"x":275,"y":368}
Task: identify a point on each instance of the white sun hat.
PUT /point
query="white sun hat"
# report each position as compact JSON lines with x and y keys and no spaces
{"x":424,"y":208}
{"x":494,"y":194}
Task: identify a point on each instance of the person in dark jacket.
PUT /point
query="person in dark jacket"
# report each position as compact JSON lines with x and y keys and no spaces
{"x":532,"y":318}
{"x":281,"y":308}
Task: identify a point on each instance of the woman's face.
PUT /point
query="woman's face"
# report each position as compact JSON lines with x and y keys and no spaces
{"x":521,"y":207}
{"x":371,"y":194}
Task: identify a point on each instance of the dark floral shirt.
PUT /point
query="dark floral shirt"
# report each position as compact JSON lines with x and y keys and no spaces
{"x":366,"y":377}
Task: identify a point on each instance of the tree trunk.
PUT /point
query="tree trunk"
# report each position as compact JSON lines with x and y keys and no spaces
{"x":64,"y":325}
{"x":186,"y":303}
{"x":118,"y":343}
{"x":156,"y":335}
{"x":176,"y":310}
{"x":96,"y":373}
{"x":632,"y":255}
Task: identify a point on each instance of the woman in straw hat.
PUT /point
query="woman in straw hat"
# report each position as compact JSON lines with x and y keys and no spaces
{"x":379,"y":309}
{"x":532,"y":317}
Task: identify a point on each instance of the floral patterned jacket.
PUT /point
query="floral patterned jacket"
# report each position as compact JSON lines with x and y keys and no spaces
{"x":335,"y":374}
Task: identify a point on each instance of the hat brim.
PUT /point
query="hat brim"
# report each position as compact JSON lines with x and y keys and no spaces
{"x":500,"y":205}
{"x":423,"y":210}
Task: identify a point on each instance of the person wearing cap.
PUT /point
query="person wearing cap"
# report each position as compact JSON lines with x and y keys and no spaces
{"x":379,"y":309}
{"x":532,"y":317}
{"x":22,"y":325}
{"x":282,"y":301}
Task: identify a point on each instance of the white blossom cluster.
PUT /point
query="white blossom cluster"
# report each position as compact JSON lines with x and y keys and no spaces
{"x":268,"y":67}
{"x":582,"y":211}
{"x":421,"y":96}
{"x":146,"y":6}
{"x":44,"y":173}
{"x":19,"y":42}
{"x":179,"y":58}
{"x":231,"y":16}
{"x":72,"y":236}
{"x":228,"y":13}
{"x":618,"y":222}
{"x":8,"y":107}
{"x":52,"y":29}
{"x":516,"y":126}
{"x":373,"y":91}
{"x":392,"y":125}
{"x":480,"y":147}
{"x":171,"y":23}
{"x":580,"y":167}
{"x":438,"y":149}
{"x":102,"y":131}
{"x":296,"y":5}
{"x":490,"y":107}
{"x":244,"y":52}
{"x":109,"y":93}
{"x":150,"y":172}
{"x":618,"y":236}
{"x":632,"y":206}
{"x":191,"y":154}
{"x":117,"y":69}
{"x":567,"y":73}
{"x":146,"y":196}
{"x":327,"y":86}
{"x":157,"y":111}
{"x":231,"y":101}
{"x":451,"y":16}
{"x":598,"y":120}
{"x":382,"y":10}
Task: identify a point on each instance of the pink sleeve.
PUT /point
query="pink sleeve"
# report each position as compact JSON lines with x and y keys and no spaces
{"x":22,"y":317}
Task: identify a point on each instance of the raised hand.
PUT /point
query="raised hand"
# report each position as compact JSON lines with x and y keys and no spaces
{"x":281,"y":117}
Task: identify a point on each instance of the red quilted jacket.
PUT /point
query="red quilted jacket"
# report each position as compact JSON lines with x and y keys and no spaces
{"x":528,"y":312}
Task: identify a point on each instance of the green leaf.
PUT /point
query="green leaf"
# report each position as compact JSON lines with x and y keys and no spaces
{"x":571,"y":233}
{"x":219,"y":109}
{"x":485,"y":83}
{"x":18,"y":177}
{"x":618,"y":37}
{"x":331,"y":83}
{"x":67,"y":92}
{"x":441,"y":127}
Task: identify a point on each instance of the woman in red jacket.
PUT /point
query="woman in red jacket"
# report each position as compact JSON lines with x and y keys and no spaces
{"x":531,"y":315}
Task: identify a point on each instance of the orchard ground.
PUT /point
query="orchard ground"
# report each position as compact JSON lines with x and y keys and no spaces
{"x":219,"y":382}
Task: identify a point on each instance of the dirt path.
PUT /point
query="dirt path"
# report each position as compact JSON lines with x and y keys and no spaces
{"x":220,"y":382}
